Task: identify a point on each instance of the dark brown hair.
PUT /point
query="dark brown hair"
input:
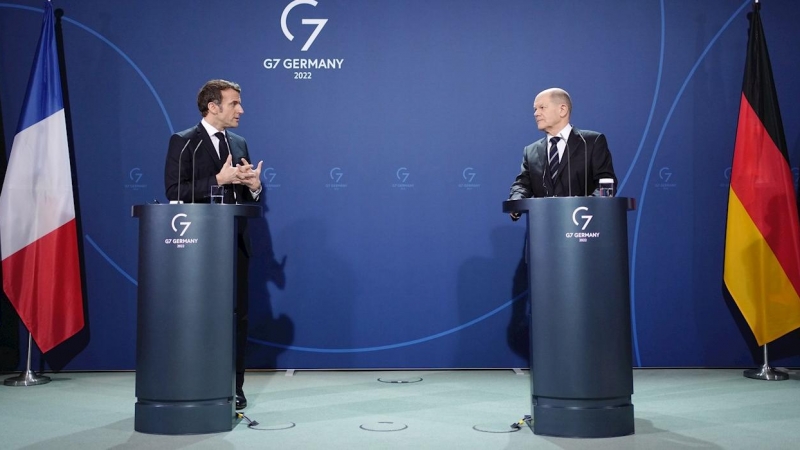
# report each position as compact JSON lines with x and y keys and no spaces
{"x":212,"y":92}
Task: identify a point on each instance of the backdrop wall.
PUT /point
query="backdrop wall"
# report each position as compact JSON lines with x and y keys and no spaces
{"x":388,"y":147}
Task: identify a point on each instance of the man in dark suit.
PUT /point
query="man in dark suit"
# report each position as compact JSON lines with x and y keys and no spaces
{"x":219,"y":158}
{"x":566,"y":162}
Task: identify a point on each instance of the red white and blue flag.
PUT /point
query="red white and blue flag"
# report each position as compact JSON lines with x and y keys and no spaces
{"x":38,"y":233}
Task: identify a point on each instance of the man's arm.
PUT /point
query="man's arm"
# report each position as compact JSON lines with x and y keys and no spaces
{"x":602,"y":166}
{"x":521,"y":188}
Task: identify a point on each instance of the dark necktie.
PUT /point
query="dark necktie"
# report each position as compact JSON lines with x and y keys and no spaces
{"x":230,"y":197}
{"x":553,"y":157}
{"x":223,"y":146}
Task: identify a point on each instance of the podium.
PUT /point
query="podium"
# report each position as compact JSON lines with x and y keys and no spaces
{"x":185,"y":345}
{"x":581,"y":362}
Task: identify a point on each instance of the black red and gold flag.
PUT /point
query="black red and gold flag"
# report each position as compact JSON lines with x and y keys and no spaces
{"x":762,"y":241}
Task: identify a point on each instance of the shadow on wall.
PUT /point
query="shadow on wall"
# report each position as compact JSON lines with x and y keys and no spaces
{"x":487,"y":279}
{"x":265,"y":269}
{"x":518,"y":330}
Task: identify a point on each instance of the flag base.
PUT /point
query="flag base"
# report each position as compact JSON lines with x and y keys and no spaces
{"x":766,"y":373}
{"x":27,"y":378}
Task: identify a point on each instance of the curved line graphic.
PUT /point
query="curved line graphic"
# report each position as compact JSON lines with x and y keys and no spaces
{"x":655,"y":153}
{"x":653,"y":105}
{"x":116,"y":49}
{"x":391,"y":346}
{"x":110,"y":261}
{"x":634,"y":332}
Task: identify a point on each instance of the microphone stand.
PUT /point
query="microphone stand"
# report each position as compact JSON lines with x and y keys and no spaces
{"x":180,"y":159}
{"x":193,"y":155}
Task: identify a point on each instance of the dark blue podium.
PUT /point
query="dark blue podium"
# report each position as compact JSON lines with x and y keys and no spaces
{"x":185,"y":345}
{"x":581,"y":362}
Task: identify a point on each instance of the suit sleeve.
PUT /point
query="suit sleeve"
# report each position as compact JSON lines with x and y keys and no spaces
{"x":244,"y":191}
{"x":521,"y":188}
{"x":602,"y":166}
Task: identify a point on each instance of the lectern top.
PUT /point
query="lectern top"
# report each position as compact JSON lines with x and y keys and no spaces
{"x":249,"y":211}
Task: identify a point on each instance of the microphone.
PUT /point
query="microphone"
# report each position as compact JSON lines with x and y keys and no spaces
{"x":193,"y":154}
{"x":180,"y":158}
{"x":569,"y":167}
{"x":585,"y":166}
{"x":547,"y":170}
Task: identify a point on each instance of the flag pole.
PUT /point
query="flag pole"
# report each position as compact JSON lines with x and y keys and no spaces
{"x":29,"y":377}
{"x":766,"y":372}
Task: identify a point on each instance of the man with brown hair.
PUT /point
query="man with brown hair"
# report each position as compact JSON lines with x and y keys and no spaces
{"x":220,"y":159}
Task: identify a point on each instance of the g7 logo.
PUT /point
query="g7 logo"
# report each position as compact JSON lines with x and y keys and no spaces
{"x":665,"y":174}
{"x":587,"y":217}
{"x":336,"y":174}
{"x":468,"y":174}
{"x":269,"y":174}
{"x":402,"y":174}
{"x":135,"y":174}
{"x":318,"y":22}
{"x":185,"y":224}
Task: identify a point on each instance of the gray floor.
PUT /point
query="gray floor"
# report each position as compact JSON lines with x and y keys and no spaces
{"x":674,"y":408}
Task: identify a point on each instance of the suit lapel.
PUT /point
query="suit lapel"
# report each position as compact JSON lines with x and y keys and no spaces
{"x":208,"y":148}
{"x":541,"y":160}
{"x":575,"y":144}
{"x":237,"y":152}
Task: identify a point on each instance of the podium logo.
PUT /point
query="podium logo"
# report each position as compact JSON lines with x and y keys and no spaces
{"x":586,"y":217}
{"x":580,"y":213}
{"x":320,"y":23}
{"x":180,"y":242}
{"x":185,"y":225}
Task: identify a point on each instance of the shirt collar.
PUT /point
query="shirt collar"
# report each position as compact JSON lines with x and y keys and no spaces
{"x":563,"y":134}
{"x":210,"y":129}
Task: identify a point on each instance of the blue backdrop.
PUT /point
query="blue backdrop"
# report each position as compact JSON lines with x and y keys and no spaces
{"x":388,"y":147}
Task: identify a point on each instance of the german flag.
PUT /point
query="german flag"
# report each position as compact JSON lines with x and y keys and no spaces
{"x":762,"y":241}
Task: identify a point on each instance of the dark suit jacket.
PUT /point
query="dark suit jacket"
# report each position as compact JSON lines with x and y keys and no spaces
{"x":206,"y":166}
{"x":586,"y":160}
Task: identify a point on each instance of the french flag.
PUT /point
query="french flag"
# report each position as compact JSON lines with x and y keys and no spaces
{"x":38,"y":233}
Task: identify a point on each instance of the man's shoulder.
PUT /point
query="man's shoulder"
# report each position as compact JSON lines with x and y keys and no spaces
{"x":532,"y":146}
{"x":188,"y":133}
{"x":586,"y":133}
{"x":234,"y":136}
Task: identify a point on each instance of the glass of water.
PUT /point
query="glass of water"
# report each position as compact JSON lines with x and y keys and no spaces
{"x":217,"y":194}
{"x":605,"y":186}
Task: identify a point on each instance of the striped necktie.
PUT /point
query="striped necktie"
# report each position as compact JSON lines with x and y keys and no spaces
{"x":553,"y":158}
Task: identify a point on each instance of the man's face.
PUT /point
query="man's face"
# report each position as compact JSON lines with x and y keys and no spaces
{"x":548,"y":114}
{"x":226,"y":114}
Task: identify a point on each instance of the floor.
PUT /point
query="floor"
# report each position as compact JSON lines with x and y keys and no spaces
{"x":674,"y":409}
